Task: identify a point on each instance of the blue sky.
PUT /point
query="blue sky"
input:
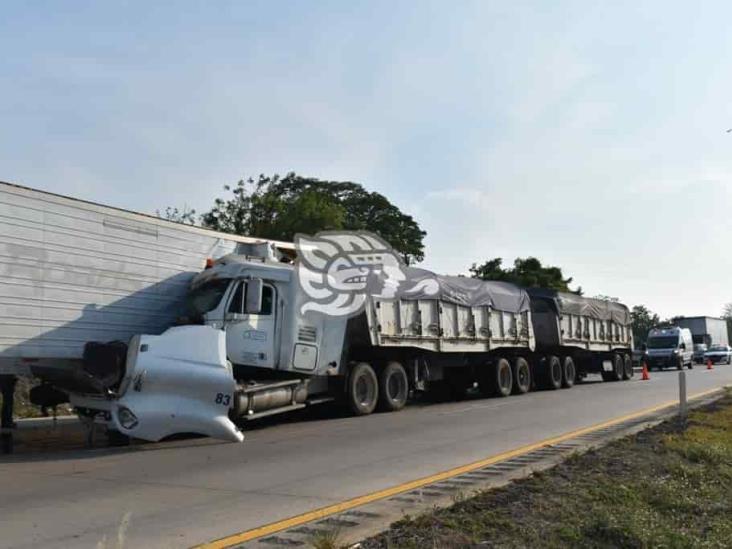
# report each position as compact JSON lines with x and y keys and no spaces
{"x":589,"y":134}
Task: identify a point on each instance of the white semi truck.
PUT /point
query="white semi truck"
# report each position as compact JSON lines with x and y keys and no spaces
{"x":254,"y":333}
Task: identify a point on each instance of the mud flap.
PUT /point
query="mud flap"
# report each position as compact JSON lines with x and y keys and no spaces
{"x":180,"y":382}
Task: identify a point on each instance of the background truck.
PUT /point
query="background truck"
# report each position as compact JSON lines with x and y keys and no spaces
{"x":116,"y":309}
{"x":705,"y":330}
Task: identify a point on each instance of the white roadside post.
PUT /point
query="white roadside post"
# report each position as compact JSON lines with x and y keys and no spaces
{"x":682,"y":394}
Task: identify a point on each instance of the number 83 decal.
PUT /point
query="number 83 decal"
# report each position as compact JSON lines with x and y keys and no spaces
{"x":223,"y":399}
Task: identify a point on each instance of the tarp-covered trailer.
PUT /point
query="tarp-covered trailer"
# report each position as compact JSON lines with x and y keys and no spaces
{"x":595,"y":334}
{"x":466,"y":315}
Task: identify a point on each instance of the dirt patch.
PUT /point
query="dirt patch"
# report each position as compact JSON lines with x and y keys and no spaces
{"x":670,"y":486}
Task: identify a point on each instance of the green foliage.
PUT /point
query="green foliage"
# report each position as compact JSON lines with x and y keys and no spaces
{"x":528,"y":272}
{"x":278,"y":207}
{"x":184,"y":215}
{"x":642,"y":320}
{"x":665,"y":487}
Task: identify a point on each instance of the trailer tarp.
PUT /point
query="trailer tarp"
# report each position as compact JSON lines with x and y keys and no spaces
{"x":585,"y":306}
{"x":472,"y":292}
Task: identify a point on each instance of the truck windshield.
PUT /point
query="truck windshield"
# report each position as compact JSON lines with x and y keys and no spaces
{"x":666,"y":342}
{"x":206,"y":297}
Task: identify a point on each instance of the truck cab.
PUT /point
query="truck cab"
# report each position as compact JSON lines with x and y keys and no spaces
{"x":669,"y":347}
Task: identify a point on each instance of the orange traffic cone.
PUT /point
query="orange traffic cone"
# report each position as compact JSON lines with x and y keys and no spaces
{"x":645,"y":376}
{"x":709,"y":364}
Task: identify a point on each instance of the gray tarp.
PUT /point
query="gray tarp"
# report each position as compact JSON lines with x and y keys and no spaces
{"x":502,"y":296}
{"x":586,"y":306}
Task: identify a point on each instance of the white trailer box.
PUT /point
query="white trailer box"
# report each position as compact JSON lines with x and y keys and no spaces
{"x":73,"y":271}
{"x":705,"y":329}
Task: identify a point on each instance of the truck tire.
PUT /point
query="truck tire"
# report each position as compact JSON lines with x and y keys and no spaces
{"x":363,"y":389}
{"x":521,"y":376}
{"x":551,"y":373}
{"x":627,"y":367}
{"x":680,"y":363}
{"x":616,"y":374}
{"x":497,"y":379}
{"x":569,"y":372}
{"x":393,"y":387}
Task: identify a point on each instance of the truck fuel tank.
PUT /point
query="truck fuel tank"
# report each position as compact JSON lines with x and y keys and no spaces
{"x":252,"y":400}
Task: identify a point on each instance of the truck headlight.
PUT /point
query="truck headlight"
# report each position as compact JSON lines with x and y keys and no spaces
{"x":126,"y":418}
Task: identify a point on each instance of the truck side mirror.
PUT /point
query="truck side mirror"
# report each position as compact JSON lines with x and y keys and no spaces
{"x":253,"y":303}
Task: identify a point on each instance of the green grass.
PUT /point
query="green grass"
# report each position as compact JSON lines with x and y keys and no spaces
{"x":670,"y":486}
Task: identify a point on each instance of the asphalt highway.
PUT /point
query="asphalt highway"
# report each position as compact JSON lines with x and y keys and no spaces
{"x":181,"y":493}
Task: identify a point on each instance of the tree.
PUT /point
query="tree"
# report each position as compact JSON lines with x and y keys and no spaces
{"x":727,"y":315}
{"x":528,"y":272}
{"x":278,"y":207}
{"x":185,"y":215}
{"x":642,"y":320}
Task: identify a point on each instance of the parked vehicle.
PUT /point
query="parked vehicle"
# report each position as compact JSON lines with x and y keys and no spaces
{"x":252,"y":338}
{"x":705,"y":329}
{"x":719,"y":354}
{"x":669,"y":347}
{"x":699,"y":350}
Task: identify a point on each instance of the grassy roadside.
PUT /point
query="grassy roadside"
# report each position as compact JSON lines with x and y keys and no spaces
{"x":670,"y":486}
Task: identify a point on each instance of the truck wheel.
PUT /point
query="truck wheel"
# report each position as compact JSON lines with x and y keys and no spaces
{"x":627,"y":367}
{"x":497,"y":379}
{"x":569,"y":373}
{"x":680,"y":363}
{"x":363,"y":389}
{"x":521,"y":376}
{"x":393,"y":387}
{"x":618,"y":367}
{"x":552,"y":373}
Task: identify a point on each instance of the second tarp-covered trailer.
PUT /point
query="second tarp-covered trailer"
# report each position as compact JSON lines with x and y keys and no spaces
{"x":595,"y":334}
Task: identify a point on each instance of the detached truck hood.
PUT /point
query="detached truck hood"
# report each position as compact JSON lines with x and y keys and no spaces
{"x":177,"y":382}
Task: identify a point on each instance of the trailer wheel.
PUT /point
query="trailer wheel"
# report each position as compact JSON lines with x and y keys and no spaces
{"x":618,"y":367}
{"x":551,"y":373}
{"x":521,"y":376}
{"x":393,"y":387}
{"x":496,"y":379}
{"x":569,"y":372}
{"x":627,"y":367}
{"x":363,"y":389}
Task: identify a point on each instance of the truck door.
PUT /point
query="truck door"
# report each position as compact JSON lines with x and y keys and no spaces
{"x":250,"y":338}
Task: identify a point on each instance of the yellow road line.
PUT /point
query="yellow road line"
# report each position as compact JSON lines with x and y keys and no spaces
{"x":323,"y":512}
